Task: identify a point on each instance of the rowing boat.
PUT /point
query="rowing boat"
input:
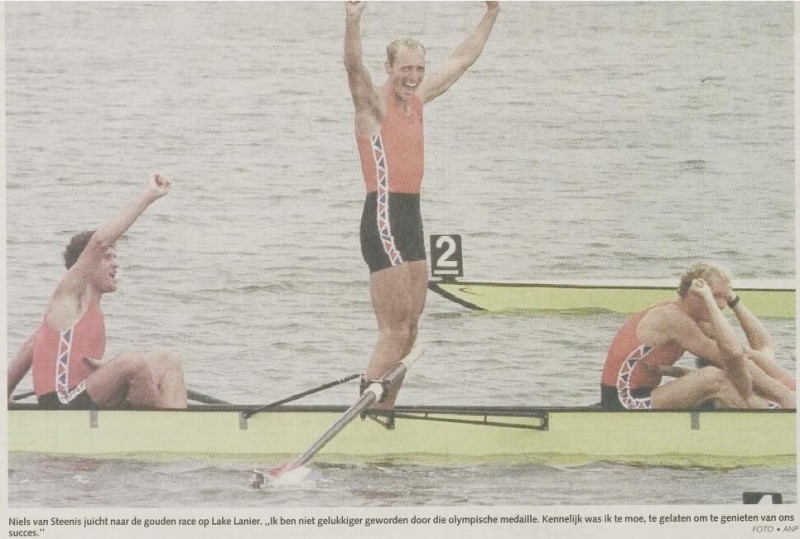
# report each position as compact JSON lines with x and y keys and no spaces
{"x":767,"y":299}
{"x":717,"y":439}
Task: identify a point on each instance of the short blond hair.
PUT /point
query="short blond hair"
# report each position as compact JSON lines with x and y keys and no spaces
{"x":705,"y":271}
{"x":394,"y":47}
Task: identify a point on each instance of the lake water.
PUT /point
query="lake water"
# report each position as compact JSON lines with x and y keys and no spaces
{"x":590,"y":141}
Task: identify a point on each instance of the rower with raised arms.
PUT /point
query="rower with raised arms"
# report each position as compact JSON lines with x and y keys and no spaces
{"x":732,"y":374}
{"x":389,"y":133}
{"x":66,"y":351}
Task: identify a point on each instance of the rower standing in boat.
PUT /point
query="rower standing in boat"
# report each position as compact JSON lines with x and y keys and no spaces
{"x":650,"y":342}
{"x":389,"y":132}
{"x":66,"y":351}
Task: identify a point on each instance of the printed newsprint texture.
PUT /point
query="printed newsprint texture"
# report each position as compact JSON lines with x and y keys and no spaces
{"x":589,"y":141}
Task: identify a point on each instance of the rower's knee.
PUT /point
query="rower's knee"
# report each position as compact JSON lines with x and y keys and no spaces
{"x":172,"y":361}
{"x":165,"y":363}
{"x":398,"y":333}
{"x":713,"y":380}
{"x":135,"y":368}
{"x":714,"y":376}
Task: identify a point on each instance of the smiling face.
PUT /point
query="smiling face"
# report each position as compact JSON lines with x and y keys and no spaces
{"x":104,"y":278}
{"x":406,"y":69}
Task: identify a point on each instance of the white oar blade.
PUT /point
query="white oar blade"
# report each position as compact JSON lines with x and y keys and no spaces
{"x":300,"y":475}
{"x":297,"y":476}
{"x":296,"y":472}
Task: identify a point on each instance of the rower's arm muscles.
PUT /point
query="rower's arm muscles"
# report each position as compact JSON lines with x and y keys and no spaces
{"x":725,"y":352}
{"x":74,"y":281}
{"x":687,"y":334}
{"x":362,"y":90}
{"x":460,"y":59}
{"x":754,"y":330}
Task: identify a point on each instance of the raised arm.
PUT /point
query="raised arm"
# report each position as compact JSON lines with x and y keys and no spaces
{"x":64,"y":305}
{"x":21,"y":364}
{"x":724,"y":335}
{"x":724,"y":350}
{"x":461,"y":58}
{"x":753,"y":329}
{"x":366,"y":98}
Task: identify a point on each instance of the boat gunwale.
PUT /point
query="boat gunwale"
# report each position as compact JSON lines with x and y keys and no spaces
{"x":657,"y":285}
{"x":519,"y":411}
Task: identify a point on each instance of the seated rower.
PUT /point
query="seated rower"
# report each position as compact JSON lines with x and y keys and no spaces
{"x":66,"y":351}
{"x":649,"y":343}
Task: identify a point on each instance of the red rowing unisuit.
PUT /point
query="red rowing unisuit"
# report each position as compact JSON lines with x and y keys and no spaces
{"x":394,"y":159}
{"x":58,"y":364}
{"x":626,"y":345}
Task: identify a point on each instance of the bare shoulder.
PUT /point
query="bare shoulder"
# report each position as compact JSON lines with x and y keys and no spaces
{"x":659,"y":324}
{"x":64,"y":308}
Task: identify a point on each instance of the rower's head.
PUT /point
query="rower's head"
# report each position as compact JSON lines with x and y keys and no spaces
{"x":104,"y":276}
{"x":715,"y":276}
{"x":405,"y":65}
{"x":75,"y":247}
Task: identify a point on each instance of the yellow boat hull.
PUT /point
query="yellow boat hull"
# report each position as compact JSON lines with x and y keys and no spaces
{"x":449,"y":434}
{"x":772,"y":302}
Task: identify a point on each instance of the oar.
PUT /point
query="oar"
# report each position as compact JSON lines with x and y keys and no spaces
{"x":300,"y":395}
{"x":203,"y":398}
{"x":372,"y":394}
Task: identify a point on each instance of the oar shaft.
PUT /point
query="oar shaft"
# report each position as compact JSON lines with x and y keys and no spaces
{"x":366,"y":400}
{"x":301,"y":394}
{"x":203,"y":398}
{"x":371,"y":395}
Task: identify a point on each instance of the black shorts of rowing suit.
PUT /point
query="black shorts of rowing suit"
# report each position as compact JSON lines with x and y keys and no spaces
{"x":391,"y":230}
{"x":609,"y":397}
{"x":83,"y":401}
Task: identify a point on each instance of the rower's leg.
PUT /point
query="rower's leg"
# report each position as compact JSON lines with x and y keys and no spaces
{"x":770,"y":388}
{"x":168,"y":373}
{"x":765,"y":360}
{"x":418,"y":273}
{"x":698,"y":386}
{"x":127,"y":377}
{"x":391,"y":293}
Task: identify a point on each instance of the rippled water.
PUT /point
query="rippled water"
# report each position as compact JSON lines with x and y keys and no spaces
{"x":590,"y":141}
